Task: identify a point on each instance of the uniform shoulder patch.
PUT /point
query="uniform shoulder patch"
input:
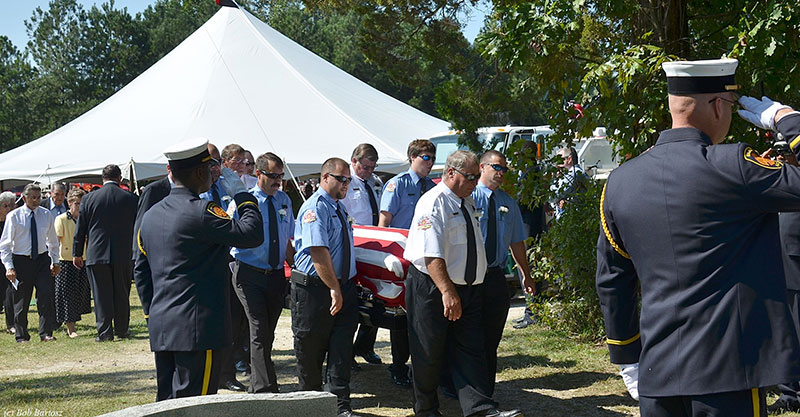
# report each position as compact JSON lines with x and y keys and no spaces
{"x":390,"y":187}
{"x":217,"y":211}
{"x":752,"y":156}
{"x":424,"y":223}
{"x":310,"y":217}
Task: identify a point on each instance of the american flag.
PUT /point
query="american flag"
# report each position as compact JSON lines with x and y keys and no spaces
{"x":380,"y":266}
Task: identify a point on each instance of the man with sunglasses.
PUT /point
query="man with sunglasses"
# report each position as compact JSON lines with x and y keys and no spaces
{"x":258,"y":275}
{"x":444,"y":293}
{"x":692,"y":226}
{"x":324,"y":301}
{"x":401,"y":193}
{"x":502,"y":228}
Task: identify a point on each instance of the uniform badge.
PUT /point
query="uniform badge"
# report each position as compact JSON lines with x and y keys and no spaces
{"x":424,"y":223}
{"x":310,"y":217}
{"x":753,"y":157}
{"x":217,"y":211}
{"x":390,"y":187}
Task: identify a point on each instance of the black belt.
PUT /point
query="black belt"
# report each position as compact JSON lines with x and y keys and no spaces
{"x":494,"y":269}
{"x":257,"y":269}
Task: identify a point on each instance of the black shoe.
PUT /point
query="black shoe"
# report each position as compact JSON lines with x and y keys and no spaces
{"x":348,"y":413}
{"x":401,"y":380}
{"x":520,"y":319}
{"x":370,"y":357}
{"x":498,"y":413}
{"x":23,"y":340}
{"x":242,"y":366}
{"x":105,"y":339}
{"x":234,"y":385}
{"x":782,"y":406}
{"x":449,"y":392}
{"x":355,"y":367}
{"x":523,"y":324}
{"x":47,"y":338}
{"x":124,"y":336}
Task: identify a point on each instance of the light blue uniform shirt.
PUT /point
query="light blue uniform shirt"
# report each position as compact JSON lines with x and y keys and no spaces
{"x":259,"y":256}
{"x":317,"y":224}
{"x":510,"y":228}
{"x":400,"y":196}
{"x":224,"y":198}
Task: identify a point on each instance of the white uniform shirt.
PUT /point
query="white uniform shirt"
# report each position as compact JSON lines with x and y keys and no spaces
{"x":16,"y":239}
{"x":357,"y":201}
{"x":439,"y":230}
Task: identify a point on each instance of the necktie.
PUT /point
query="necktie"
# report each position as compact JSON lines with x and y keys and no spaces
{"x":274,"y":251}
{"x":372,"y":203}
{"x":491,"y":233}
{"x":215,"y":194}
{"x":423,"y":186}
{"x":472,"y":251}
{"x":34,"y":236}
{"x":345,"y":244}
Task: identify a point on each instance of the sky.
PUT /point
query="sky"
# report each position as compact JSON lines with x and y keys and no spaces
{"x":15,"y":12}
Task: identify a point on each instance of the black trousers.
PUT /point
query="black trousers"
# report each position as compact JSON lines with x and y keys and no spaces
{"x":235,"y":351}
{"x":111,"y":288}
{"x":317,"y":333}
{"x":7,"y":294}
{"x":365,"y":342}
{"x":434,"y":340}
{"x":751,"y":402}
{"x":34,"y":273}
{"x":493,"y":316}
{"x":187,"y":374}
{"x":262,"y":297}
{"x":790,"y":391}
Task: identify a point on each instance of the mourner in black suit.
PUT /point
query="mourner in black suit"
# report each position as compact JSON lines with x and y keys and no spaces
{"x":694,"y":224}
{"x":106,"y":219}
{"x":183,"y":243}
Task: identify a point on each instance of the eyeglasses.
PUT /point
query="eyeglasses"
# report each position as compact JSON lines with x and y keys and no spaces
{"x":276,"y":176}
{"x":214,"y":162}
{"x":368,"y":167}
{"x":498,"y":167}
{"x":341,"y":178}
{"x":734,"y":103}
{"x":469,"y":177}
{"x":425,"y":157}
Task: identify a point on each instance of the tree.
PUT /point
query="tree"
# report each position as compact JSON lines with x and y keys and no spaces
{"x":15,"y":112}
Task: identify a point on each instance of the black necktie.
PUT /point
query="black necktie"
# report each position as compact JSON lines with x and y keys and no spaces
{"x":491,"y":233}
{"x":472,"y":252}
{"x":274,"y":251}
{"x":345,"y":244}
{"x":215,"y":194}
{"x":423,"y":186}
{"x":372,"y":203}
{"x":34,"y":237}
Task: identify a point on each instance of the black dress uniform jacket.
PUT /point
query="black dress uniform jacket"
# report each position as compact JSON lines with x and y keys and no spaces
{"x":184,"y":242}
{"x":790,"y":238}
{"x":697,"y":227}
{"x":106,"y":218}
{"x":151,"y":195}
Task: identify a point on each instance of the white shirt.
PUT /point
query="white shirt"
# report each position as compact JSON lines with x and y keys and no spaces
{"x":16,"y":239}
{"x":356,"y":202}
{"x":439,"y":230}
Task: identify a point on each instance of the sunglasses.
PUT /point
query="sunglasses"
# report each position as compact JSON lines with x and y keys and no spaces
{"x":469,"y":177}
{"x":271,"y":175}
{"x":426,"y":157}
{"x":214,"y":162}
{"x":498,"y":167}
{"x":341,"y":178}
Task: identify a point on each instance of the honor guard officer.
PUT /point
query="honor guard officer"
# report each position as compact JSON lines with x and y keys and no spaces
{"x":184,"y":243}
{"x":501,"y":227}
{"x":402,"y":192}
{"x":444,"y":295}
{"x":790,"y":245}
{"x":324,"y":302}
{"x":258,"y":276}
{"x":694,"y":223}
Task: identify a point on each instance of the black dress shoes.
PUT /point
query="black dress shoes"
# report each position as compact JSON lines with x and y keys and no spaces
{"x":370,"y":357}
{"x":234,"y":385}
{"x":493,"y":412}
{"x":782,"y":406}
{"x":47,"y":338}
{"x":348,"y":413}
{"x":401,"y":379}
{"x":104,"y":339}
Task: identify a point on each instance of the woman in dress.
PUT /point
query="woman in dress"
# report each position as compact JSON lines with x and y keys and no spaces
{"x":72,"y":284}
{"x":7,"y":203}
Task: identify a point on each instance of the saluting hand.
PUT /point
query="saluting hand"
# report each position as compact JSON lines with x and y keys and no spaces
{"x":336,"y":301}
{"x":452,"y":305}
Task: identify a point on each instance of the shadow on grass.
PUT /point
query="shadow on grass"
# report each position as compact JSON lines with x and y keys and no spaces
{"x":96,"y":385}
{"x":526,"y":361}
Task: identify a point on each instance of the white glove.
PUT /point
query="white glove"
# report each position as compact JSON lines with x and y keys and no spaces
{"x":630,"y":376}
{"x":231,"y":182}
{"x":762,"y":112}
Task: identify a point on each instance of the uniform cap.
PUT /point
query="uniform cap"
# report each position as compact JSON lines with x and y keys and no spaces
{"x":187,"y":154}
{"x":701,"y":77}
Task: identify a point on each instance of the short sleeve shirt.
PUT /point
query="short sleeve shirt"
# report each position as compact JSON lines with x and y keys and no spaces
{"x":318,"y":224}
{"x":357,"y":200}
{"x":439,"y":230}
{"x":259,"y":256}
{"x":400,"y":196}
{"x":510,"y":228}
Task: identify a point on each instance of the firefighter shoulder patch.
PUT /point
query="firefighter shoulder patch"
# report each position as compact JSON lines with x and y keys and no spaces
{"x":217,"y":211}
{"x":424,"y":223}
{"x":310,"y":217}
{"x":390,"y":187}
{"x":753,"y":157}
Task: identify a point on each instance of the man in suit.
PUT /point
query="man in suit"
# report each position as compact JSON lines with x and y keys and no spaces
{"x":56,"y":203}
{"x":184,"y":242}
{"x":106,"y":218}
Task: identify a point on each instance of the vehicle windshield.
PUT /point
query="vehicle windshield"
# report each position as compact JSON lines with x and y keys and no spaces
{"x":445,"y":145}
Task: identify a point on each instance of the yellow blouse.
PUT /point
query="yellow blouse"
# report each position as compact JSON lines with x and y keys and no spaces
{"x":65,"y":230}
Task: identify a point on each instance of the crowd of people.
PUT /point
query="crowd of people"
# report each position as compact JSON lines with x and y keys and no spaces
{"x":207,"y":244}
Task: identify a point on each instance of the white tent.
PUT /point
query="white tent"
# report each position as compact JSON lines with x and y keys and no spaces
{"x":234,"y":80}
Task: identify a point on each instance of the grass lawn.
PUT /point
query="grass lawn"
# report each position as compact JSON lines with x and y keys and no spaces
{"x":543,"y":373}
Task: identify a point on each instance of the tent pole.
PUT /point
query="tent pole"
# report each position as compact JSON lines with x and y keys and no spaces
{"x":134,"y":181}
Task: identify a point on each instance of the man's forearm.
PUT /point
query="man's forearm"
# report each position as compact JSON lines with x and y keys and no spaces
{"x":437,"y":269}
{"x":385,"y":219}
{"x":521,"y":259}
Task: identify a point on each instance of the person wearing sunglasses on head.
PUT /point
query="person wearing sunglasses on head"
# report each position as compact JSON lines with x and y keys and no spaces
{"x":691,"y":226}
{"x":324,"y":300}
{"x":258,"y":275}
{"x":401,"y":193}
